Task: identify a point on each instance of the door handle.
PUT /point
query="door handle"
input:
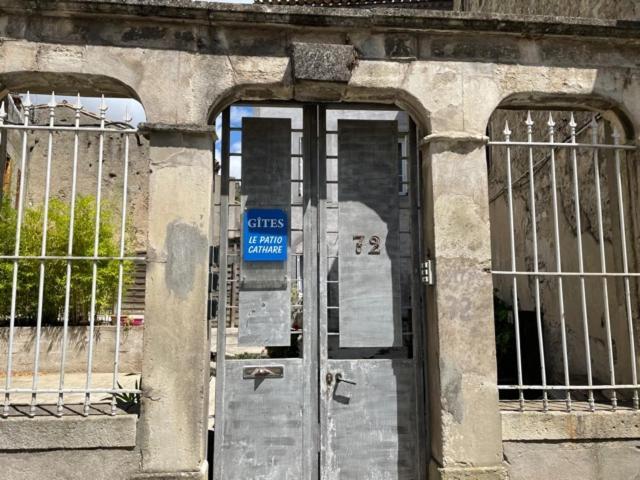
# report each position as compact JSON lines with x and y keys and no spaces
{"x":340,"y":378}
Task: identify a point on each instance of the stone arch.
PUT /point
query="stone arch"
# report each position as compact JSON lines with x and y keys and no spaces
{"x":306,"y":92}
{"x":66,"y":84}
{"x":612,"y":110}
{"x":576,"y":222}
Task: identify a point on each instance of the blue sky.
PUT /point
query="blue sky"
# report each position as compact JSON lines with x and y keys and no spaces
{"x":236,"y":139}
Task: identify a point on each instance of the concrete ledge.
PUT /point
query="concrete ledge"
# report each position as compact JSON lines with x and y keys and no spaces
{"x":407,"y":19}
{"x":202,"y":474}
{"x":467,"y":473}
{"x":454,"y":137}
{"x":169,"y":476}
{"x":187,"y":128}
{"x":541,"y":426}
{"x":67,"y":433}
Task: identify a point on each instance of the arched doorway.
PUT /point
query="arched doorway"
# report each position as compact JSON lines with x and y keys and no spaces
{"x":320,"y":366}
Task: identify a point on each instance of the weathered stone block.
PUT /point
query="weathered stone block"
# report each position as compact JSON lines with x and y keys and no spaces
{"x":48,"y":433}
{"x":322,"y":62}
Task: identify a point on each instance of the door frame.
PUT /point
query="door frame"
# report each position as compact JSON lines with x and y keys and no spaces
{"x":315,"y":346}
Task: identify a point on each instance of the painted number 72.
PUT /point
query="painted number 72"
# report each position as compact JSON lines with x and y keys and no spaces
{"x":374,"y":241}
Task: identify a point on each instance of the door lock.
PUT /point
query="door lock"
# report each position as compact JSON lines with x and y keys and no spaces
{"x":329,"y":378}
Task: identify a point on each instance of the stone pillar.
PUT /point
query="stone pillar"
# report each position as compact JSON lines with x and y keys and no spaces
{"x":175,"y":372}
{"x":465,"y":426}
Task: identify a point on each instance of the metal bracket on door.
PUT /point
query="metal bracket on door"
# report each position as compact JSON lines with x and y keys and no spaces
{"x":426,"y":272}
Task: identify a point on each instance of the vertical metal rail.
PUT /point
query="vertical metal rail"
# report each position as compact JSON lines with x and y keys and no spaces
{"x":67,"y":297}
{"x":417,"y":312}
{"x":43,"y":252}
{"x":625,"y":266}
{"x":3,"y":144}
{"x":534,"y":233}
{"x":14,"y":285}
{"x":583,"y":293}
{"x":558,"y":254}
{"x":310,"y":466}
{"x":123,"y":225}
{"x":323,"y":260}
{"x":603,"y":261}
{"x":222,"y":295}
{"x":514,"y":286}
{"x":96,"y":251}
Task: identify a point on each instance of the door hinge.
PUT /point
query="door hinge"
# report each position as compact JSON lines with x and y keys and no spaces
{"x":212,"y":290}
{"x":426,"y":272}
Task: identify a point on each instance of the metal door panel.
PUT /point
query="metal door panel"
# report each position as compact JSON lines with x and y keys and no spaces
{"x":265,"y":306}
{"x":368,"y":234}
{"x":371,"y":426}
{"x":263,"y":422}
{"x":356,"y":306}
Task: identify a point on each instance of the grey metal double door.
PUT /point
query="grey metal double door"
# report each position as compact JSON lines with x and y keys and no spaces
{"x":323,"y":376}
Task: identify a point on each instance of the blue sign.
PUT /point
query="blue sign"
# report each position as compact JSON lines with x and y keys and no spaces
{"x":264,"y":235}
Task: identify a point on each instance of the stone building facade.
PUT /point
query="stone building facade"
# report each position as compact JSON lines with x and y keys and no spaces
{"x":450,"y":71}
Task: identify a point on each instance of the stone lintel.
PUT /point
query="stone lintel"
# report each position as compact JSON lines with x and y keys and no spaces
{"x":68,"y":432}
{"x":184,"y":128}
{"x":552,"y":426}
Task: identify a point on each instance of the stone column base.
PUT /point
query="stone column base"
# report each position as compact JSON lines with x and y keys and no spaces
{"x":467,"y":473}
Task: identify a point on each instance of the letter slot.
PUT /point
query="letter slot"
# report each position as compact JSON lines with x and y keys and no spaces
{"x":270,"y":371}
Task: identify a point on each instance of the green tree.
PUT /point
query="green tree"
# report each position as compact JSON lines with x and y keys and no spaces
{"x":56,"y":270}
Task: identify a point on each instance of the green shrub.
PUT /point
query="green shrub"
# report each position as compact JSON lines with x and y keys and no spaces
{"x":56,"y":270}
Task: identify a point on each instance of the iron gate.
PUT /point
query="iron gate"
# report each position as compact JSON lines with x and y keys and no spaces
{"x":323,"y":377}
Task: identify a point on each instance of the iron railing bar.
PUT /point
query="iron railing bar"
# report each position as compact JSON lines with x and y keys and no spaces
{"x":43,"y":251}
{"x":514,"y":280}
{"x":566,"y":274}
{"x":583,"y":290}
{"x":67,"y":297}
{"x":572,"y":387}
{"x":625,"y":267}
{"x":94,"y":266}
{"x":603,"y":261}
{"x":573,"y":146}
{"x":14,"y":284}
{"x":71,"y":390}
{"x":123,"y":224}
{"x":404,"y":334}
{"x":565,"y":358}
{"x":76,"y":129}
{"x":72,"y":258}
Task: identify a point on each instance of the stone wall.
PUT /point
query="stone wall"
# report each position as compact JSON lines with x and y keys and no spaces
{"x":76,"y":354}
{"x":610,"y":9}
{"x":187,"y":60}
{"x":88,"y":153}
{"x":588,"y":460}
